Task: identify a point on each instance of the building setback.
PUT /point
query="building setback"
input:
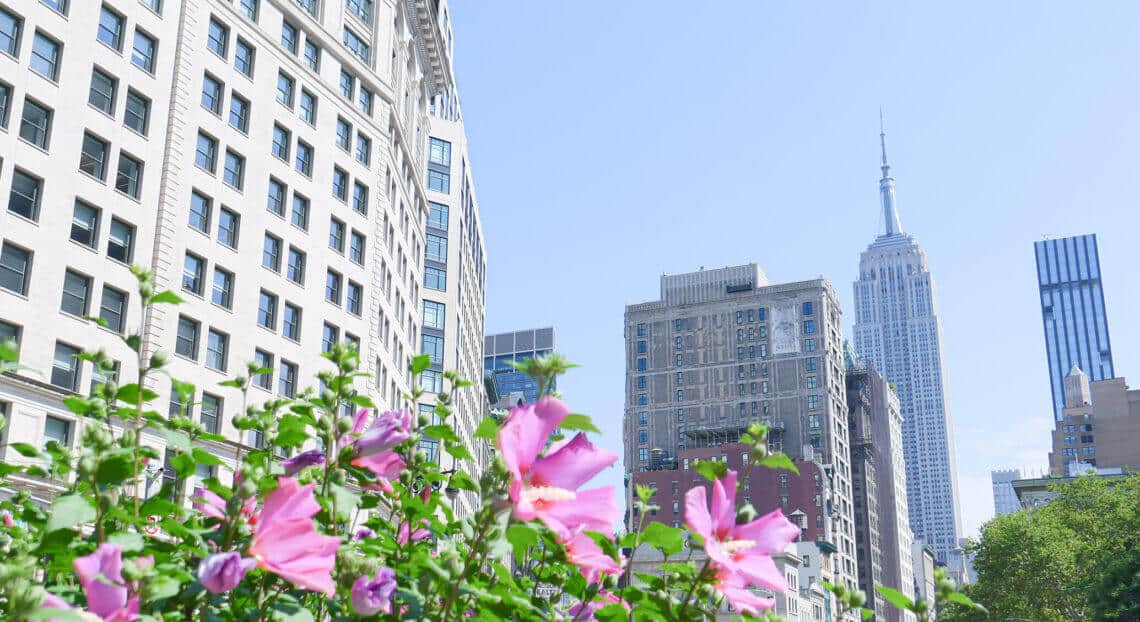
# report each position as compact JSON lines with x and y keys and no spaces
{"x":897,"y":329}
{"x":265,"y":159}
{"x":1099,"y":426}
{"x":1072,"y":312}
{"x":721,"y":349}
{"x":1005,"y":499}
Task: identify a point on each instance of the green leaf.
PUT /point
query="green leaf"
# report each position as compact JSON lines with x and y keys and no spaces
{"x":521,"y":536}
{"x":8,"y":469}
{"x":166,"y":297}
{"x":669,"y":539}
{"x":76,"y":404}
{"x":711,"y":470}
{"x":129,"y":540}
{"x":184,"y":465}
{"x":62,"y":615}
{"x":360,"y":401}
{"x":420,"y":363}
{"x":645,"y":493}
{"x":115,"y":468}
{"x":68,"y":511}
{"x":576,"y":421}
{"x":129,"y":393}
{"x":458,"y":451}
{"x":779,"y":461}
{"x":292,"y":431}
{"x":201,"y":456}
{"x":613,"y":612}
{"x":235,"y":383}
{"x":895,"y":597}
{"x":488,"y":429}
{"x":346,"y":500}
{"x":176,"y":440}
{"x":462,"y":481}
{"x":291,"y":612}
{"x":866,"y":614}
{"x":162,"y":586}
{"x":442,"y":432}
{"x":26,"y":450}
{"x":962,"y":599}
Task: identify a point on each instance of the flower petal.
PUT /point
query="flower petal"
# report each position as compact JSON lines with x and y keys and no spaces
{"x":592,"y":510}
{"x":771,"y":533}
{"x":572,"y":465}
{"x":723,"y":511}
{"x":697,"y":512}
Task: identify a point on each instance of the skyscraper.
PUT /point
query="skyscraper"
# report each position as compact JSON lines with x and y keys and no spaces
{"x":897,"y":329}
{"x":265,"y":159}
{"x":1072,"y":312}
{"x":499,"y":351}
{"x":719,"y":350}
{"x":1005,"y":499}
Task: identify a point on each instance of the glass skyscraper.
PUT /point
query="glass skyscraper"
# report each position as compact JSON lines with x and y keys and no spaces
{"x":1072,"y":311}
{"x":499,"y":351}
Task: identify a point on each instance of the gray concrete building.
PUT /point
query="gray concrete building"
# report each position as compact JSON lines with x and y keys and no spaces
{"x":722,"y":348}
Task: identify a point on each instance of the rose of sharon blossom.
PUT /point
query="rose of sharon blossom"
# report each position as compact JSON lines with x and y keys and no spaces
{"x":288,"y":545}
{"x":303,"y":460}
{"x":372,"y":595}
{"x":590,"y":559}
{"x":101,"y":575}
{"x":221,"y":572}
{"x":546,"y":487}
{"x":584,"y":612}
{"x":386,"y":466}
{"x":387,"y":430}
{"x":740,"y":554}
{"x":405,"y":533}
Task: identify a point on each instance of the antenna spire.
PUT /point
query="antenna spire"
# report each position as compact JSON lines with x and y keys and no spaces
{"x":887,"y":186}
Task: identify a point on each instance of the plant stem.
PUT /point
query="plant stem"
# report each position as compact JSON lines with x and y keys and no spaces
{"x":692,"y":588}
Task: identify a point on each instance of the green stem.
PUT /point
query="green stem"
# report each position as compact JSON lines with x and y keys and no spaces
{"x":692,"y":588}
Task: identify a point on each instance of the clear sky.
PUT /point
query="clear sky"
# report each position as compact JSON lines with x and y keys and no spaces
{"x":614,"y":141}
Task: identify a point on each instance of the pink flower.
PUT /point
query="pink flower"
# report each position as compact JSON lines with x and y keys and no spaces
{"x":405,"y":533}
{"x":286,"y":542}
{"x":359,"y":422}
{"x":364,"y":533}
{"x":740,"y":554}
{"x":546,"y":487}
{"x":583,"y":612}
{"x":7,"y":516}
{"x":209,"y":503}
{"x":590,"y":559}
{"x":303,"y":460}
{"x":101,"y":575}
{"x":386,"y":466}
{"x":221,"y":572}
{"x":374,"y":595}
{"x":387,"y":430}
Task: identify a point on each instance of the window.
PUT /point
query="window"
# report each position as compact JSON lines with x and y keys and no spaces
{"x":58,"y":430}
{"x":271,"y":253}
{"x":435,"y":278}
{"x":267,"y":310}
{"x":813,"y":402}
{"x":137,"y":114}
{"x":102,"y":92}
{"x":809,"y":345}
{"x":212,"y":94}
{"x":120,"y":242}
{"x":431,"y":381}
{"x":439,"y":152}
{"x":35,"y":124}
{"x":340,"y":184}
{"x":223,"y":294}
{"x":437,"y":215}
{"x":10,"y":26}
{"x":332,"y":287}
{"x":359,"y":197}
{"x":45,"y":56}
{"x":329,"y":337}
{"x":9,"y":332}
{"x":361,"y":9}
{"x":336,"y":235}
{"x":809,"y":327}
{"x":347,"y":84}
{"x":129,"y":178}
{"x":206,"y":155}
{"x":364,"y":100}
{"x":810,"y":363}
{"x":211,"y":414}
{"x":433,"y":347}
{"x":642,"y":382}
{"x":642,"y":346}
{"x":76,"y":294}
{"x":289,"y":37}
{"x":249,"y":8}
{"x":65,"y":367}
{"x":291,"y":323}
{"x":642,"y":364}
{"x":436,"y":248}
{"x":113,"y":308}
{"x":439,"y":181}
{"x":312,"y":56}
{"x":200,"y":208}
{"x":84,"y":224}
{"x":93,"y":156}
{"x":808,"y":308}
{"x":343,"y":134}
{"x":434,"y":313}
{"x":356,"y":248}
{"x":218,"y":38}
{"x":363,"y":149}
{"x":234,"y":172}
{"x":303,"y":157}
{"x":193,"y":274}
{"x":229,"y":222}
{"x":281,"y":140}
{"x":5,"y":103}
{"x":263,"y":360}
{"x":308,"y":107}
{"x":642,"y":436}
{"x":100,"y":377}
{"x":24,"y":199}
{"x":243,"y":57}
{"x":217,"y":346}
{"x":354,"y":298}
{"x":300,"y":215}
{"x":287,"y":379}
{"x":357,"y":45}
{"x":296,"y":271}
{"x":144,"y":51}
{"x":285,"y":87}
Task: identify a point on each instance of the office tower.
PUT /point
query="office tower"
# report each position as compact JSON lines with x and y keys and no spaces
{"x":1072,"y":312}
{"x":499,"y":351}
{"x":1099,"y":426}
{"x":1005,"y":499}
{"x":898,"y":331}
{"x":265,"y":159}
{"x":878,"y":480}
{"x":454,"y":296}
{"x":719,"y":350}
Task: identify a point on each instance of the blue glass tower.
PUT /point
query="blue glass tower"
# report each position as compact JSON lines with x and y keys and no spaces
{"x":1072,"y":311}
{"x":499,"y":351}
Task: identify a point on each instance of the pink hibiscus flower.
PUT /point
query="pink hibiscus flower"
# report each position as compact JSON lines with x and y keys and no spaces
{"x":386,"y":466}
{"x":740,"y":554}
{"x":288,"y":545}
{"x":590,"y":559}
{"x":101,"y":575}
{"x":546,"y":487}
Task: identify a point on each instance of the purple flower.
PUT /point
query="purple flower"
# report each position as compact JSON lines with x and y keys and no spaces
{"x":303,"y":460}
{"x":374,"y":595}
{"x":364,"y":533}
{"x":388,"y":430}
{"x":221,"y":572}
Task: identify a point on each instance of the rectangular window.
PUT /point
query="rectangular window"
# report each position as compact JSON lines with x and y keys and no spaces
{"x":434,"y":313}
{"x":312,"y":56}
{"x":129,"y":178}
{"x":343,"y":134}
{"x":361,"y":9}
{"x":276,"y":201}
{"x":267,"y":310}
{"x":218,"y":38}
{"x":808,"y":308}
{"x":431,"y":381}
{"x":35,"y":124}
{"x":340,"y":184}
{"x":76,"y":294}
{"x":356,"y":248}
{"x":5,"y":103}
{"x":439,"y":152}
{"x":437,"y":215}
{"x":102,"y":93}
{"x":359,"y":197}
{"x":211,"y":413}
{"x":9,"y":333}
{"x":435,"y":278}
{"x":113,"y":308}
{"x":223,"y":294}
{"x":329,"y":337}
{"x":433,"y":347}
{"x":229,"y":223}
{"x":234,"y":172}
{"x":308,"y":107}
{"x":10,"y":26}
{"x":58,"y":430}
{"x":300,"y":215}
{"x":84,"y":224}
{"x":45,"y":56}
{"x":193,"y":274}
{"x":296,"y":271}
{"x":285,"y":86}
{"x":332,"y":287}
{"x":291,"y":324}
{"x":206,"y":153}
{"x":93,"y":156}
{"x":347,"y":84}
{"x":65,"y":367}
{"x":217,"y":350}
{"x":439,"y":181}
{"x":263,"y":360}
{"x":354,"y":298}
{"x":271,"y":253}
{"x":200,"y":208}
{"x":212,"y":94}
{"x":304,"y":163}
{"x":357,"y":46}
{"x":250,"y":8}
{"x":289,"y":37}
{"x":436,"y":248}
{"x":364,"y":100}
{"x":243,"y":57}
{"x":121,"y":241}
{"x":363,"y":149}
{"x":24,"y":198}
{"x":287,"y":379}
{"x":336,"y":235}
{"x":144,"y":51}
{"x":137,"y":115}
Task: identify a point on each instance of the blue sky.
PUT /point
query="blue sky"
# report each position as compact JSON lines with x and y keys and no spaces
{"x":614,"y":141}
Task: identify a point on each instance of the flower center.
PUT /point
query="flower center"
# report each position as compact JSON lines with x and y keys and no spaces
{"x":543,"y":495}
{"x":734,"y":546}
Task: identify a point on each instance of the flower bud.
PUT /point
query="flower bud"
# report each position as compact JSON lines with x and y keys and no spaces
{"x":858,"y":599}
{"x":106,"y":500}
{"x":344,"y":425}
{"x":247,"y":489}
{"x":222,"y":572}
{"x":159,"y":359}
